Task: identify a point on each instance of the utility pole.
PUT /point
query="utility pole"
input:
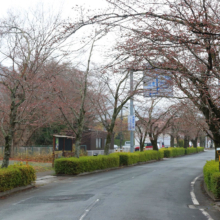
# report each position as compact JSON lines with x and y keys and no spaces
{"x":121,"y":128}
{"x":131,"y":111}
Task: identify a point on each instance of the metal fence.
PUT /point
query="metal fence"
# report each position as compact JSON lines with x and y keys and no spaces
{"x":44,"y":150}
{"x":31,"y":150}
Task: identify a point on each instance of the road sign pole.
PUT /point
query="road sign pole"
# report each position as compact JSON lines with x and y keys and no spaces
{"x":131,"y":111}
{"x":121,"y":128}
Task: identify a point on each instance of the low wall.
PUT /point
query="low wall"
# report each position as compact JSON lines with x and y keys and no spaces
{"x":99,"y":152}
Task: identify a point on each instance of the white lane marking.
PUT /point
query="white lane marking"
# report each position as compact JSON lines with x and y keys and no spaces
{"x":195,"y":201}
{"x":193,"y":196}
{"x":22,"y":200}
{"x":88,"y":209}
{"x":206,"y":214}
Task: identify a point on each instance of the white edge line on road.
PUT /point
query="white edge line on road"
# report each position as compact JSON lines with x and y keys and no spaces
{"x":193,"y":196}
{"x":195,"y":201}
{"x":88,"y":209}
{"x":22,"y":200}
{"x":206,"y":214}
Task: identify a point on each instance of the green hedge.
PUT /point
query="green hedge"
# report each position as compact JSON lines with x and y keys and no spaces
{"x":173,"y":152}
{"x":133,"y":158}
{"x":180,"y":151}
{"x":16,"y":175}
{"x":200,"y":149}
{"x":74,"y":166}
{"x":191,"y":150}
{"x":212,"y":177}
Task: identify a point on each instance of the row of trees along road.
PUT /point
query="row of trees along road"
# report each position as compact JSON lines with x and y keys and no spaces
{"x":37,"y":76}
{"x":181,"y":37}
{"x":180,"y":120}
{"x":39,"y":86}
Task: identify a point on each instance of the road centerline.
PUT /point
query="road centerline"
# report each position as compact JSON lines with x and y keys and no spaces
{"x":88,"y":209}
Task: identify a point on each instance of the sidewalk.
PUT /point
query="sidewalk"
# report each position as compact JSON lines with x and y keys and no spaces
{"x":46,"y":173}
{"x":42,"y":178}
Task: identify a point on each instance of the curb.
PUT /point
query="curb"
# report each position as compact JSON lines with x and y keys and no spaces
{"x":117,"y":168}
{"x":211,"y":195}
{"x":16,"y":190}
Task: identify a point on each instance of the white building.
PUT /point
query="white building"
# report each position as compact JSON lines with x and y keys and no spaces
{"x":165,"y":139}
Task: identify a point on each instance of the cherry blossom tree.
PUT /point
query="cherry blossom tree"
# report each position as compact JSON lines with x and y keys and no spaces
{"x":73,"y":103}
{"x":112,"y":94}
{"x":154,"y":120}
{"x":181,"y":37}
{"x":28,"y":42}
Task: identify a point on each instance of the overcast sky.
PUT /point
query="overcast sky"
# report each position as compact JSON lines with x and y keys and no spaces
{"x":67,"y":11}
{"x":66,"y":5}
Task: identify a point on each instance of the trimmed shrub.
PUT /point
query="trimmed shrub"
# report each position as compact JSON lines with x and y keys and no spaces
{"x":200,"y":149}
{"x":74,"y":166}
{"x":173,"y":152}
{"x":133,"y":158}
{"x":180,"y":143}
{"x":167,"y":152}
{"x":126,"y":159}
{"x":215,"y":184}
{"x":212,"y":177}
{"x":16,"y":175}
{"x":191,"y":150}
{"x":180,"y":151}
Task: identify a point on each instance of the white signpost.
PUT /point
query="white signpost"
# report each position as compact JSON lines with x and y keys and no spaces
{"x":131,"y":123}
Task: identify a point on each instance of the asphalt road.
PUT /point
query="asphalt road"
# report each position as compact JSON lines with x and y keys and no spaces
{"x":155,"y":191}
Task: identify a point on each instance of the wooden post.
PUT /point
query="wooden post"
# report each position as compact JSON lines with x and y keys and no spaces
{"x":219,"y":163}
{"x":63,"y":146}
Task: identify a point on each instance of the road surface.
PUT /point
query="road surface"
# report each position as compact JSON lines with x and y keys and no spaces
{"x":155,"y":191}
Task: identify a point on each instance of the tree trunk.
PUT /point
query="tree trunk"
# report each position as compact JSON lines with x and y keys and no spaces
{"x":79,"y":132}
{"x":171,"y":141}
{"x":77,"y":147}
{"x":142,"y":146}
{"x":177,"y":141}
{"x":10,"y":136}
{"x":194,"y":141}
{"x":141,"y":143}
{"x":108,"y":142}
{"x":202,"y":141}
{"x":154,"y":143}
{"x":186,"y":141}
{"x":8,"y":143}
{"x":217,"y":144}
